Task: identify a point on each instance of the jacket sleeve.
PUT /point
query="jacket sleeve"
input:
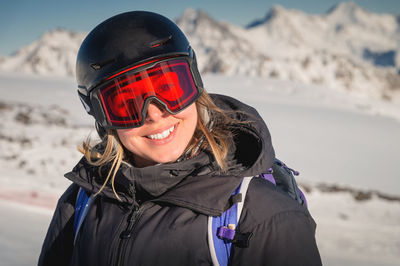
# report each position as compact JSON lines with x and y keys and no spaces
{"x":288,"y":238}
{"x":58,"y":244}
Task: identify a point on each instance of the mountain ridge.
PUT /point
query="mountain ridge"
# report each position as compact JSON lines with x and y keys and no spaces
{"x":348,"y":48}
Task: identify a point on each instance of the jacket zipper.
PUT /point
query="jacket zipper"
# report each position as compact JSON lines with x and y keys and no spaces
{"x":127,"y":233}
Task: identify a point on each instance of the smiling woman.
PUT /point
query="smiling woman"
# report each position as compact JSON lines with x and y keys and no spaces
{"x":172,"y":161}
{"x":163,"y":138}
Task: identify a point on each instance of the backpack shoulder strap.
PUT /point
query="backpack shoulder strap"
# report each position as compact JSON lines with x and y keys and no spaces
{"x":82,"y":206}
{"x":221,"y":229}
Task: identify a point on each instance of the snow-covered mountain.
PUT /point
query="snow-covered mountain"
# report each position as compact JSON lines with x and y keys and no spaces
{"x":53,"y":54}
{"x":219,"y":47}
{"x":347,"y":48}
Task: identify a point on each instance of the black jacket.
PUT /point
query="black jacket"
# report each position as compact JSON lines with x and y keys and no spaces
{"x":162,"y":219}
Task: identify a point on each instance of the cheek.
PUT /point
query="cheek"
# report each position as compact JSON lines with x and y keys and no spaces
{"x":189,"y":118}
{"x":189,"y":115}
{"x":127,"y":136}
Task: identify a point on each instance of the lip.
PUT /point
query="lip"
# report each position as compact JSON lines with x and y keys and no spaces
{"x":160,"y":130}
{"x":162,"y":141}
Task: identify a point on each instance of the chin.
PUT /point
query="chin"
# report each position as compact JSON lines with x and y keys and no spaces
{"x":168,"y":157}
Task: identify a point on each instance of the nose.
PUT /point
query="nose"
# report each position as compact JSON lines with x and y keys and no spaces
{"x":155,"y":112}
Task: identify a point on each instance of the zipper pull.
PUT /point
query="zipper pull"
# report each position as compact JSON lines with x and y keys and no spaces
{"x":128,"y":232}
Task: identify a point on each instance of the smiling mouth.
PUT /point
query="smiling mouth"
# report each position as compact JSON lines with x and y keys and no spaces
{"x":163,"y":134}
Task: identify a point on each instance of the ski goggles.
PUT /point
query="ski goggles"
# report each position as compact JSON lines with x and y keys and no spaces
{"x":123,"y":98}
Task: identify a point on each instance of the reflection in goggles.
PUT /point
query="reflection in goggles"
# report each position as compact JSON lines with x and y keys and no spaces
{"x":171,"y":82}
{"x":165,"y":86}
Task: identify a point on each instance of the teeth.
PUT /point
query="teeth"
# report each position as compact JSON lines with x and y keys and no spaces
{"x":163,"y":134}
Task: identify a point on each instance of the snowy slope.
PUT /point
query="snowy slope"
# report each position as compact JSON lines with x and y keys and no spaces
{"x":320,"y":132}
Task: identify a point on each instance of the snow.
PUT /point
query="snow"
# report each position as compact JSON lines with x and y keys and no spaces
{"x":338,"y":49}
{"x":329,"y":49}
{"x":356,"y":233}
{"x":54,"y":53}
{"x":330,"y":137}
{"x":334,"y":138}
{"x":333,"y":113}
{"x":22,"y":232}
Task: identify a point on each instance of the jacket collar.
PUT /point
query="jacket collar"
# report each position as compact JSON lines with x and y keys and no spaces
{"x":194,"y":183}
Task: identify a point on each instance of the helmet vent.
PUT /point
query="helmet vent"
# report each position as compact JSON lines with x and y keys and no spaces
{"x":160,"y":42}
{"x":99,"y":65}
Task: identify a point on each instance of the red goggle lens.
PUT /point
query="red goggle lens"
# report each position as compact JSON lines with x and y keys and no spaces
{"x":124,"y":98}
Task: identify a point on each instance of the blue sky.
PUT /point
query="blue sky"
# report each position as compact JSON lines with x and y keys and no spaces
{"x":23,"y":21}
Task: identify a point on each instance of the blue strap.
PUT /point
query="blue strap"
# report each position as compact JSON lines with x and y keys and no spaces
{"x":223,"y":247}
{"x":80,"y":204}
{"x":220,"y":236}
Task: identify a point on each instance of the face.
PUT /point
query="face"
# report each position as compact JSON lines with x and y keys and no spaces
{"x":163,"y":137}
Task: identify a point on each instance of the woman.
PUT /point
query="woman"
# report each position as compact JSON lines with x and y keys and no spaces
{"x":170,"y":156}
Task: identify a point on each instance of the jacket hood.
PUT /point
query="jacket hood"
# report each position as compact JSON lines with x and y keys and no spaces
{"x":195,"y":183}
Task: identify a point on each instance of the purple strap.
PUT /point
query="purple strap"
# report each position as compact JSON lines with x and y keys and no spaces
{"x":226,"y":233}
{"x":222,"y":235}
{"x":268,"y":176}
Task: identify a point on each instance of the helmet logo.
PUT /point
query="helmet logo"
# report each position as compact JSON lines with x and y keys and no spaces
{"x":97,"y":66}
{"x":160,"y":42}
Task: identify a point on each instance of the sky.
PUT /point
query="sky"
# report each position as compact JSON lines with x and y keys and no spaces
{"x":23,"y":21}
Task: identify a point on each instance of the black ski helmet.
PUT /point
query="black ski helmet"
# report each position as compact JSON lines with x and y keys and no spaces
{"x":125,"y":40}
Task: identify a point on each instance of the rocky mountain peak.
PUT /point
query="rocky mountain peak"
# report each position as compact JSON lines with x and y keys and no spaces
{"x":348,"y":48}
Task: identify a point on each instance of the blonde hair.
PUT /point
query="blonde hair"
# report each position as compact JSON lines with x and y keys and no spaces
{"x":212,"y":133}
